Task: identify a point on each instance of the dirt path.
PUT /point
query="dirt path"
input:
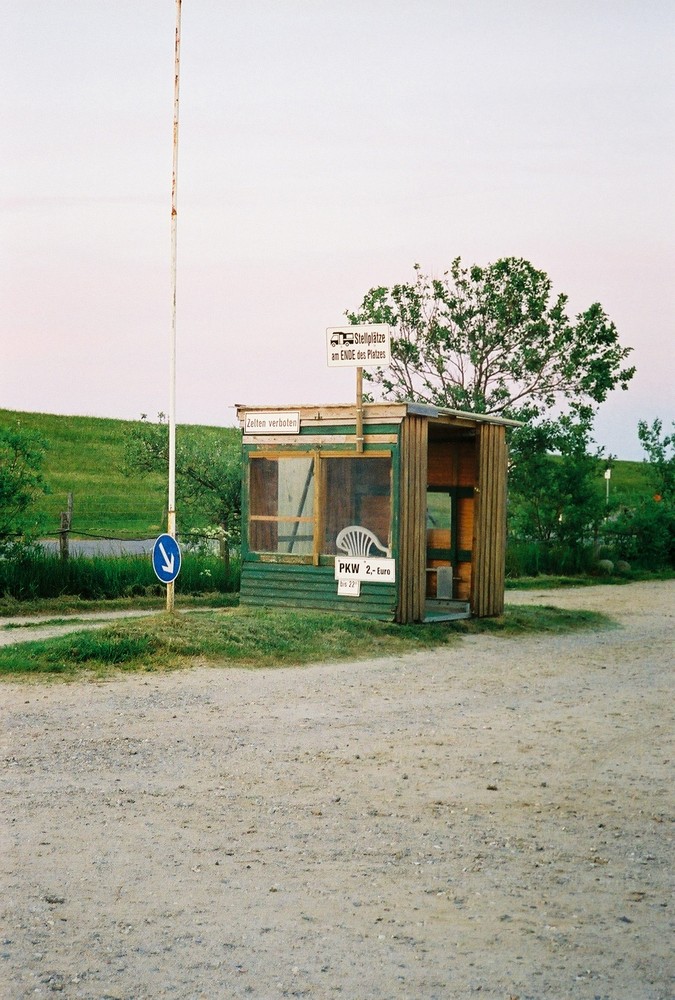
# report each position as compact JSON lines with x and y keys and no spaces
{"x":27,"y":628}
{"x":492,"y":820}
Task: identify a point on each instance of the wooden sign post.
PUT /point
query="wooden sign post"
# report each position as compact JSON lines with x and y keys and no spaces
{"x":359,"y":409}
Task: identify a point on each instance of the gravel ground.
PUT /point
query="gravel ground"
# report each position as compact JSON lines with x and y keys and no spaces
{"x":492,"y":819}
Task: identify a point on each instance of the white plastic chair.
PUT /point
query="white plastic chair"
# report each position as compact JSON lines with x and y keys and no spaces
{"x":358,"y":541}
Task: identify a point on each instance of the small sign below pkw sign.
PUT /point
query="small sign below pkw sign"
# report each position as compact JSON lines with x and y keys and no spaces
{"x":347,"y":586}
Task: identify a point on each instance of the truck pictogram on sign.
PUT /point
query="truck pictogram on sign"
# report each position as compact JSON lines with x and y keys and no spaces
{"x":342,"y":338}
{"x":362,"y":345}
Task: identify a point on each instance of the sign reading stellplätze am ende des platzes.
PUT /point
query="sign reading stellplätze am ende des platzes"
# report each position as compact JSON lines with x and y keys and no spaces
{"x":365,"y":345}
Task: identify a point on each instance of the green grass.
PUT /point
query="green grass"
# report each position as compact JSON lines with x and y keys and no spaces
{"x":70,"y":604}
{"x":628,"y":478}
{"x":520,"y":619}
{"x":85,"y":457}
{"x":551,"y":582}
{"x":109,"y":577}
{"x":42,"y":623}
{"x":257,"y":638}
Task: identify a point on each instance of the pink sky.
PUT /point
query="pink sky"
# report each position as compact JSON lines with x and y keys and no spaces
{"x":324,"y":149}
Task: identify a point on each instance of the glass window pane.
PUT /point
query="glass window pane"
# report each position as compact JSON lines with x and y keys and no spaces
{"x":439,"y":510}
{"x":281,"y":493}
{"x":356,"y":491}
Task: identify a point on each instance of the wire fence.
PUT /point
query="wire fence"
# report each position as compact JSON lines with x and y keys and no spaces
{"x":112,"y":524}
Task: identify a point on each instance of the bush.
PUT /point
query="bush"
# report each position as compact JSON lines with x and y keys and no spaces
{"x":530,"y":558}
{"x":644,"y":535}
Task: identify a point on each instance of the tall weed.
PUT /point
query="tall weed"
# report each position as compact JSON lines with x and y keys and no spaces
{"x":42,"y":575}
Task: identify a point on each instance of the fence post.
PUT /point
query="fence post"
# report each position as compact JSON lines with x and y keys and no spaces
{"x":66,"y":524}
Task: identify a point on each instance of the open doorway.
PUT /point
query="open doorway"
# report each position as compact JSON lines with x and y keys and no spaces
{"x":449,"y":528}
{"x":451,"y":480}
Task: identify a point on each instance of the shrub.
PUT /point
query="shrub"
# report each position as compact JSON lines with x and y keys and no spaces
{"x":645,"y":535}
{"x":531,"y":558}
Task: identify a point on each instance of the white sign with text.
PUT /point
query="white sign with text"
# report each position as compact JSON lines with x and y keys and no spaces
{"x":287,"y":422}
{"x":366,"y":345}
{"x":347,"y":586}
{"x":364,"y":568}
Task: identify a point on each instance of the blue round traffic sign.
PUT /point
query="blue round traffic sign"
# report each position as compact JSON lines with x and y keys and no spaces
{"x":166,"y":558}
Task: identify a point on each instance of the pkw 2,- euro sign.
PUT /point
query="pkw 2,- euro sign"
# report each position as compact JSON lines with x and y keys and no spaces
{"x":365,"y":569}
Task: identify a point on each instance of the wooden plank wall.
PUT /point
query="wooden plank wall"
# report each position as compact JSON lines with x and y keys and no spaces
{"x":489,"y":548}
{"x":293,"y":586}
{"x":452,"y":463}
{"x":411,"y":568}
{"x":466,"y":507}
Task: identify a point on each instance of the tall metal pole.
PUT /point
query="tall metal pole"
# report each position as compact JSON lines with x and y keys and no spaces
{"x":171,"y":518}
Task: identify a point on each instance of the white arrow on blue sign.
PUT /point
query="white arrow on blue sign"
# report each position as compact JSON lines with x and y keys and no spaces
{"x":166,"y":558}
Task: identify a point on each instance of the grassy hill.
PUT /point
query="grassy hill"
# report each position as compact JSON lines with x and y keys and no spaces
{"x":85,"y":457}
{"x":629,"y":479}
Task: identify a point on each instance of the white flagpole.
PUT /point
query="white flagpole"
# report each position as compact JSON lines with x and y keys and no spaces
{"x":171,"y":518}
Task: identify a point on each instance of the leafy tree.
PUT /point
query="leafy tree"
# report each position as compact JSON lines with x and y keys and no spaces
{"x":554,"y":496}
{"x":644,"y":532}
{"x":493,"y":340}
{"x":662,"y":463}
{"x":21,"y":483}
{"x":208,"y":475}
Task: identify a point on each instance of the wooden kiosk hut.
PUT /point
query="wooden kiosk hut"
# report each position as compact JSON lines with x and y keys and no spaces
{"x":395,"y":511}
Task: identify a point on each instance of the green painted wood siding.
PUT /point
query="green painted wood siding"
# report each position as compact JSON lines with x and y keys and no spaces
{"x":287,"y":585}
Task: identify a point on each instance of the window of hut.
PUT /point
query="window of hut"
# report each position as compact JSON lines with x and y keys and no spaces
{"x":281,"y":504}
{"x":356,"y":490}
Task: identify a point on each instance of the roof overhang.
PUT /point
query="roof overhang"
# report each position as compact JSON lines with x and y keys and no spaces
{"x":344,"y":413}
